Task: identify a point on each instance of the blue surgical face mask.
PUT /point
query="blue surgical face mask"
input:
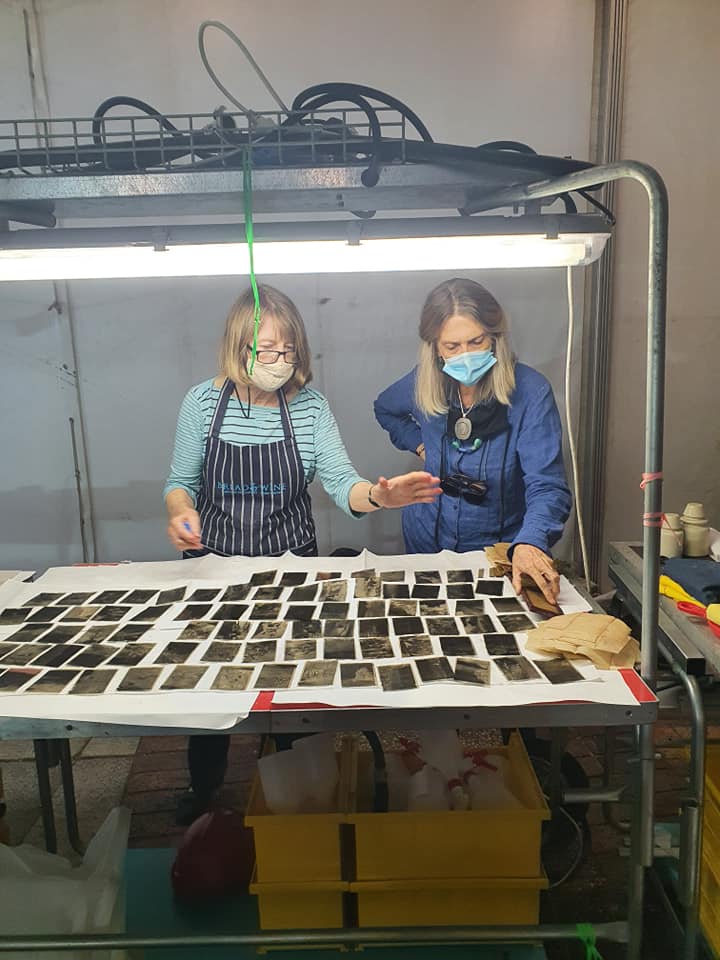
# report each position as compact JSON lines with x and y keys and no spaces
{"x":468,"y":368}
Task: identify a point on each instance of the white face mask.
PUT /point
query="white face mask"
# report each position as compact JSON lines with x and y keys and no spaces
{"x":270,"y":376}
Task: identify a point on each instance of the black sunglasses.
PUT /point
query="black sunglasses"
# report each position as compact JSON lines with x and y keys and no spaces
{"x":458,"y":485}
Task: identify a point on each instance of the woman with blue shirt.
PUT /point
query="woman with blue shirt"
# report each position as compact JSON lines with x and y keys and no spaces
{"x":489,"y":428}
{"x":247,"y":445}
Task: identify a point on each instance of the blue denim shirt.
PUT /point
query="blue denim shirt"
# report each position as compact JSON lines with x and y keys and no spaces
{"x":528,"y":499}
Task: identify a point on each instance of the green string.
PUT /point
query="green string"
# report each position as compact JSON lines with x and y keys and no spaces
{"x":586,"y":933}
{"x":249,"y":237}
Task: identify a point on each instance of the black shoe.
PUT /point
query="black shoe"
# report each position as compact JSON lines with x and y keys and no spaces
{"x":190,"y":806}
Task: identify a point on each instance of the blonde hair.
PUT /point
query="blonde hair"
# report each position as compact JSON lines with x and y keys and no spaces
{"x":461,"y":297}
{"x":240,"y":328}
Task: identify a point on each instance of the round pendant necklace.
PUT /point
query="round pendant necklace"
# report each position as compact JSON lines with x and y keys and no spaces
{"x":463,"y":424}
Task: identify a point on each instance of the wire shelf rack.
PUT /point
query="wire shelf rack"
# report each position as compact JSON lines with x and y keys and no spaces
{"x":200,"y":141}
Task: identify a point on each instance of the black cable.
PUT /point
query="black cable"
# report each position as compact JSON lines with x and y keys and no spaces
{"x":599,"y":206}
{"x":97,"y":125}
{"x":340,"y":88}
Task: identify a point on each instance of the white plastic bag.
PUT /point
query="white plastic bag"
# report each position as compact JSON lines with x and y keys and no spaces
{"x":42,"y":893}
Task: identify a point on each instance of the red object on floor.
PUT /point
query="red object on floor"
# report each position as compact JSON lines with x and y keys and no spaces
{"x":216,"y":856}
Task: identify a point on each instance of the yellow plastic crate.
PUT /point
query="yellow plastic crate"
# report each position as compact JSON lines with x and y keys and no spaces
{"x":300,"y":906}
{"x":451,"y":843}
{"x":711,"y":848}
{"x":303,"y":847}
{"x":710,"y":907}
{"x":712,"y":788}
{"x":442,"y":903}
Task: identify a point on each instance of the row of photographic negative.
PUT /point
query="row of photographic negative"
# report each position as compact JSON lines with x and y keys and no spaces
{"x":263,"y":600}
{"x":282,"y":676}
{"x":202,"y":650}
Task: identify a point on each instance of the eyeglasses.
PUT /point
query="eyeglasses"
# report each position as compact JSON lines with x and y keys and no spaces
{"x":458,"y":485}
{"x":272,"y":356}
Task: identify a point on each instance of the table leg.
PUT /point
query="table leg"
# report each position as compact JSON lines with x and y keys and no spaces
{"x":42,"y":765}
{"x":68,"y":785}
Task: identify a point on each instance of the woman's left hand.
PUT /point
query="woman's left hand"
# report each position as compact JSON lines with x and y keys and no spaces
{"x":538,"y":565}
{"x":415,"y":487}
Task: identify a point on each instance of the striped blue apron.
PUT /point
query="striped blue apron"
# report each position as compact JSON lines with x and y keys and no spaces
{"x":253,"y":500}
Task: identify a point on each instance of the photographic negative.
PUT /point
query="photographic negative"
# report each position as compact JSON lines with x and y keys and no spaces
{"x":304,"y":594}
{"x":43,"y":599}
{"x":130,"y":633}
{"x":334,"y":590}
{"x":407,"y":626}
{"x":238,"y":591}
{"x":372,"y":608}
{"x":434,"y":669}
{"x":471,"y":670}
{"x":275,"y":676}
{"x":398,"y":591}
{"x":150,"y":614}
{"x":457,"y":646}
{"x":52,"y":681}
{"x":339,"y":628}
{"x":441,"y":625}
{"x":293,"y":578}
{"x":261,"y":651}
{"x":12,"y":680}
{"x":427,"y":576}
{"x":339,"y":648}
{"x":93,"y":681}
{"x":375,"y":627}
{"x":304,"y":629}
{"x":97,"y":633}
{"x":220,"y":651}
{"x":517,"y":668}
{"x":131,"y":656}
{"x":74,"y":599}
{"x":113,"y":613}
{"x":225,"y":611}
{"x":318,"y":673}
{"x":269,"y":630}
{"x":401,"y":608}
{"x":368,"y":588}
{"x":233,"y":678}
{"x":80,"y":613}
{"x":376,"y":648}
{"x":300,"y":649}
{"x":459,"y":591}
{"x":204,"y":594}
{"x":420,"y":646}
{"x":392,"y":576}
{"x":425,"y":591}
{"x":268,"y":593}
{"x":233,"y":630}
{"x":516,"y":622}
{"x":184,"y":678}
{"x":331,"y":610}
{"x":469,"y":607}
{"x":501,"y":645}
{"x":23,"y":655}
{"x":41,"y":615}
{"x":300,"y":611}
{"x":490,"y":588}
{"x":368,"y":572}
{"x":174,"y":595}
{"x":15,"y":615}
{"x":261,"y":611}
{"x":174,"y":652}
{"x":139,"y":596}
{"x":263,"y":578}
{"x":537,"y":603}
{"x":433,"y":608}
{"x":459,"y":576}
{"x":61,"y":634}
{"x":325,"y":575}
{"x":482,"y":623}
{"x":91,"y":655}
{"x":357,"y":675}
{"x":396,"y":676}
{"x":29,"y":632}
{"x":507,"y":605}
{"x":196,"y":611}
{"x":139,"y":680}
{"x":197,"y":630}
{"x":108,"y":596}
{"x":559,"y":670}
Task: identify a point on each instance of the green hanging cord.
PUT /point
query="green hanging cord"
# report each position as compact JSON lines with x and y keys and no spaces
{"x":249,"y":237}
{"x":587,"y":935}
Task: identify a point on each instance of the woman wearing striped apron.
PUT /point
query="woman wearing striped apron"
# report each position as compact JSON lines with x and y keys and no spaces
{"x":246,"y":448}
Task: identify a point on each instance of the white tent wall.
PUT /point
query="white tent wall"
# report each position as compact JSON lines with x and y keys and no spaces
{"x":474,"y":71}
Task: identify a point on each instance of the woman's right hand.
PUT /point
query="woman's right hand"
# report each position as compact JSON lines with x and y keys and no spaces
{"x":184,"y":530}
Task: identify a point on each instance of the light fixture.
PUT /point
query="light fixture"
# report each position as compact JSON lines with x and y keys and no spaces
{"x":363,"y":246}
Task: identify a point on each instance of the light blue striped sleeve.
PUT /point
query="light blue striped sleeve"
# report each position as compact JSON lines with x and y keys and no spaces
{"x":189,"y":452}
{"x":334,"y":469}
